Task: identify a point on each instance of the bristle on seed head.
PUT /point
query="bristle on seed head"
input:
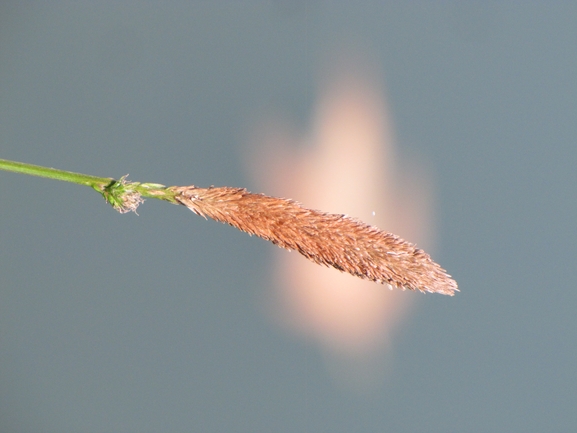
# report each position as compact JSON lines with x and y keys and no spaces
{"x":328,"y":239}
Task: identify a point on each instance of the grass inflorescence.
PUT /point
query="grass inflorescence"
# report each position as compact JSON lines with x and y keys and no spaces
{"x":341,"y":242}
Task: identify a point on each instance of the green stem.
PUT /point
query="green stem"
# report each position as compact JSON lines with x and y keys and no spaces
{"x":124,"y":196}
{"x":53,"y":173}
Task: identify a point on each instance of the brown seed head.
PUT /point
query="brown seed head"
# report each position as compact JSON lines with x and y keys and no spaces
{"x":329,"y":239}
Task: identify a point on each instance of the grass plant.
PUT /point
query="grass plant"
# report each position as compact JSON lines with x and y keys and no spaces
{"x":344,"y":243}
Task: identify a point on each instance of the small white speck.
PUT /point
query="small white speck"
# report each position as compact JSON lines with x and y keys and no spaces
{"x":373,"y":213}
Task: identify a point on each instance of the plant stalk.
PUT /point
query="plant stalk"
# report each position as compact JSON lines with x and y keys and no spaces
{"x":53,"y":173}
{"x":124,"y":196}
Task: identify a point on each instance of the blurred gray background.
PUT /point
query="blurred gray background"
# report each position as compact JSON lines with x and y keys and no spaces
{"x":151,"y":323}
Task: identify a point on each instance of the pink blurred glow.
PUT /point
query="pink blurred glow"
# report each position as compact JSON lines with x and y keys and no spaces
{"x":345,"y":164}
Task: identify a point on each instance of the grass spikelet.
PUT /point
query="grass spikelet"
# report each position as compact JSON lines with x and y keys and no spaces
{"x":333,"y":240}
